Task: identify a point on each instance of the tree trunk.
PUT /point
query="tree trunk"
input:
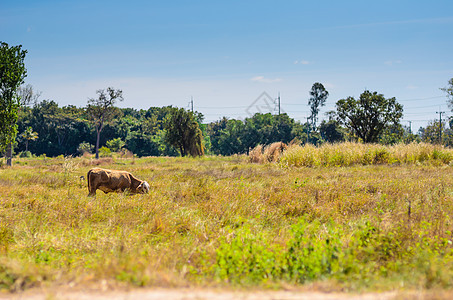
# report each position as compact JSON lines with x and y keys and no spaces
{"x":26,"y":145}
{"x":97,"y":143}
{"x":9,"y":155}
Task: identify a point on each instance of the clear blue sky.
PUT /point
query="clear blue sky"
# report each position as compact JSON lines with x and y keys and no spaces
{"x":224,"y":54}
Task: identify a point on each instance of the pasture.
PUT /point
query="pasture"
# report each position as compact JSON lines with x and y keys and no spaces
{"x":226,"y":222}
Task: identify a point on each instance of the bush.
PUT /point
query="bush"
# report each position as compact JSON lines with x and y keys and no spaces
{"x":116,"y":144}
{"x":313,"y":252}
{"x":105,"y":152}
{"x":248,"y":257}
{"x":26,"y":154}
{"x":85,"y":147}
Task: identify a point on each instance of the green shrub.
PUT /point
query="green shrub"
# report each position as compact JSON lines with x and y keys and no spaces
{"x":312,"y":253}
{"x":443,"y":156}
{"x":105,"y":152}
{"x":115,"y":145}
{"x":26,"y":154}
{"x":248,"y":257}
{"x":85,"y":147}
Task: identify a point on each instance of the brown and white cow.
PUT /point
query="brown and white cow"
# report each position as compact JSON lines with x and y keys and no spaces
{"x":114,"y":181}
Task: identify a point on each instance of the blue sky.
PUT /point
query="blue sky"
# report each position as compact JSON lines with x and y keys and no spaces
{"x":225,"y":54}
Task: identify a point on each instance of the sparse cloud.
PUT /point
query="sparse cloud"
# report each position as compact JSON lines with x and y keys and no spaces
{"x":301,"y":62}
{"x":265,"y":80}
{"x":393,"y":62}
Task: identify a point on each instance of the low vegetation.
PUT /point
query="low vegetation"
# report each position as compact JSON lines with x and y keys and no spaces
{"x":341,"y":217}
{"x":349,"y":154}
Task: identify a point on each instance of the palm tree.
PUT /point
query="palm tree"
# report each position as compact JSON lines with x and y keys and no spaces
{"x":183,"y":132}
{"x":29,"y":135}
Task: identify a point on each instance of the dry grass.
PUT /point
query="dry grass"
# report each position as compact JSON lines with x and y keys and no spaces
{"x":347,"y":154}
{"x":223,"y":221}
{"x":269,"y":153}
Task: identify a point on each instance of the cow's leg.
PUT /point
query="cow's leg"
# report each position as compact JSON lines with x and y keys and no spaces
{"x":92,"y":192}
{"x":92,"y":187}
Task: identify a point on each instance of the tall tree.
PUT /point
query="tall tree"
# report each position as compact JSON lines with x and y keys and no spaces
{"x":28,"y":95}
{"x":318,"y":97}
{"x":102,"y":110}
{"x":29,"y":135}
{"x":368,"y":116}
{"x":12,"y":75}
{"x":183,"y":132}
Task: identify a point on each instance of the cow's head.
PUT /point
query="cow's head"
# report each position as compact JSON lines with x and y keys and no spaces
{"x":143,"y":188}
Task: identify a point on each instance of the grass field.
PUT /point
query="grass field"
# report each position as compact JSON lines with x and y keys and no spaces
{"x":222,"y":221}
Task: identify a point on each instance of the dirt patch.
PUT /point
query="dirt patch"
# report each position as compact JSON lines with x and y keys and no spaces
{"x":188,"y":294}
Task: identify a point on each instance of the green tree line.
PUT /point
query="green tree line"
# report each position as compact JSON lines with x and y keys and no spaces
{"x":46,"y":128}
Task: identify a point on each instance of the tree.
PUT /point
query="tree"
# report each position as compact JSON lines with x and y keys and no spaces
{"x":318,"y":97}
{"x":29,"y":135}
{"x":60,"y":129}
{"x":215,"y":130}
{"x":231,"y":139}
{"x":184,"y":133}
{"x":331,"y":131}
{"x":392,"y":134}
{"x":368,"y":116}
{"x":115,"y":144}
{"x":27,"y":95}
{"x":12,"y":75}
{"x":431,"y":133}
{"x":449,"y":91}
{"x":142,"y":144}
{"x":102,"y":110}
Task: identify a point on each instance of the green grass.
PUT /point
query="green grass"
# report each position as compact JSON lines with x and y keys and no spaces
{"x":221,"y":221}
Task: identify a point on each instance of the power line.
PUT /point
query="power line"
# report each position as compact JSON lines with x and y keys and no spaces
{"x":404,"y":100}
{"x":421,"y":99}
{"x":440,"y":125}
{"x":218,"y":107}
{"x":426,"y":106}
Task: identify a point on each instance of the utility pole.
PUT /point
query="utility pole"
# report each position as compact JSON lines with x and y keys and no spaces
{"x":440,"y":125}
{"x":410,"y":126}
{"x":191,"y":103}
{"x":278,"y":103}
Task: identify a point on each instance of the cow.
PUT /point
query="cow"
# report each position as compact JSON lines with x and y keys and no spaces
{"x":114,"y":181}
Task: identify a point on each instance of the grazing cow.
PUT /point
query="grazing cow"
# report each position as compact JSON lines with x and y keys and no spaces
{"x":114,"y":181}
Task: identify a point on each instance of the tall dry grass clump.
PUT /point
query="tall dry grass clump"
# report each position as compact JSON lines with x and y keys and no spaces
{"x":348,"y":154}
{"x":256,"y":155}
{"x":273,"y":152}
{"x":269,"y":153}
